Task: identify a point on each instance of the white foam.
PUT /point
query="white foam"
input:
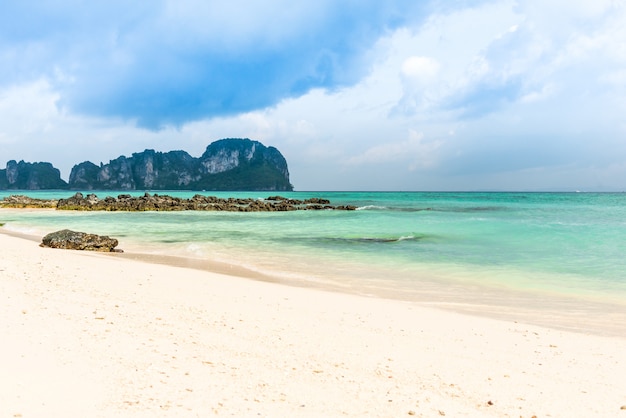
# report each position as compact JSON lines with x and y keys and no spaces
{"x":371,"y":207}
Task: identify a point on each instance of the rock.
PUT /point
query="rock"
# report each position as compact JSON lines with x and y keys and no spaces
{"x":30,"y":176}
{"x":317,"y":200}
{"x":84,"y":176}
{"x":20,"y":201}
{"x":254,"y":166}
{"x":72,"y":240}
{"x":92,"y":199}
{"x":147,"y":202}
{"x":75,"y":202}
{"x":227,"y":164}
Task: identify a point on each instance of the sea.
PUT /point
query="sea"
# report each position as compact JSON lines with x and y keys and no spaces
{"x":458,"y":249}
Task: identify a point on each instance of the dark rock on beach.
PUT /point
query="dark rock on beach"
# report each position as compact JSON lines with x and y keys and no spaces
{"x":72,"y":240}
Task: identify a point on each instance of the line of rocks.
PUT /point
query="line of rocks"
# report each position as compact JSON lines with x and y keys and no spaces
{"x":148,"y":202}
{"x":21,"y":202}
{"x":67,"y":239}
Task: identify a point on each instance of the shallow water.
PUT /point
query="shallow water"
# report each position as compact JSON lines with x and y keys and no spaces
{"x":402,"y":244}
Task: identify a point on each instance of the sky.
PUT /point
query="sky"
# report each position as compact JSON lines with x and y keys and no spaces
{"x":456,"y":95}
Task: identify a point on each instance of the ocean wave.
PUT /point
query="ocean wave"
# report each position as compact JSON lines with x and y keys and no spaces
{"x":21,"y":229}
{"x":392,"y":208}
{"x":376,"y":240}
{"x":467,"y":209}
{"x":372,"y":207}
{"x":470,"y":209}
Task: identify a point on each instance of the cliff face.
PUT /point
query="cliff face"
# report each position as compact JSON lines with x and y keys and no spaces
{"x":84,"y":176}
{"x":30,"y":176}
{"x":227,"y":164}
{"x":231,"y":164}
{"x":161,"y":171}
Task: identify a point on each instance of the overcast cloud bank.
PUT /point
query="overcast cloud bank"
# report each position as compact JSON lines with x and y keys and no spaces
{"x":470,"y":95}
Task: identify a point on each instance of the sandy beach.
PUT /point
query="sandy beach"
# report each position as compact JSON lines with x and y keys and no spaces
{"x":97,"y":335}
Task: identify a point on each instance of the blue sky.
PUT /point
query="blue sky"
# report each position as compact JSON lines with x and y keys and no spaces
{"x":358,"y":95}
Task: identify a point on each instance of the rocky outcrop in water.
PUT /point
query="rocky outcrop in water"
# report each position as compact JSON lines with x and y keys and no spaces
{"x":227,"y":164}
{"x":148,"y":202}
{"x":21,"y":201}
{"x":147,"y":170}
{"x":72,"y":240}
{"x":30,"y":176}
{"x":232,"y":164}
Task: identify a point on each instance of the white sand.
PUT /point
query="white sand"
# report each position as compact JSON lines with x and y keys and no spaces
{"x":94,"y":335}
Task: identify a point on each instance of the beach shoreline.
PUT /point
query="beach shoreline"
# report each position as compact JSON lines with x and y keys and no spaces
{"x":577,"y":313}
{"x":100,"y":335}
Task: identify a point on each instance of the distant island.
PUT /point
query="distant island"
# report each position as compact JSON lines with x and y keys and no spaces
{"x":232,"y":164}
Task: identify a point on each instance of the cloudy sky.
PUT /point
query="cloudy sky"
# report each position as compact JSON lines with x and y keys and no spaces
{"x":357,"y":95}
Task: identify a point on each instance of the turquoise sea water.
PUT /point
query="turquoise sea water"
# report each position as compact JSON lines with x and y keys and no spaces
{"x":409,"y":244}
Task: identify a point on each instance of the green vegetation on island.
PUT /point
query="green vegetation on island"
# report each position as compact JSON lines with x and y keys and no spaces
{"x":228,"y":164}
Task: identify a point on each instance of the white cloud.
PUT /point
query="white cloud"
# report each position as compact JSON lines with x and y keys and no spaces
{"x":445,"y":57}
{"x":545,"y":92}
{"x":415,"y":152}
{"x":420,"y":68}
{"x":550,"y":80}
{"x":28,"y":110}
